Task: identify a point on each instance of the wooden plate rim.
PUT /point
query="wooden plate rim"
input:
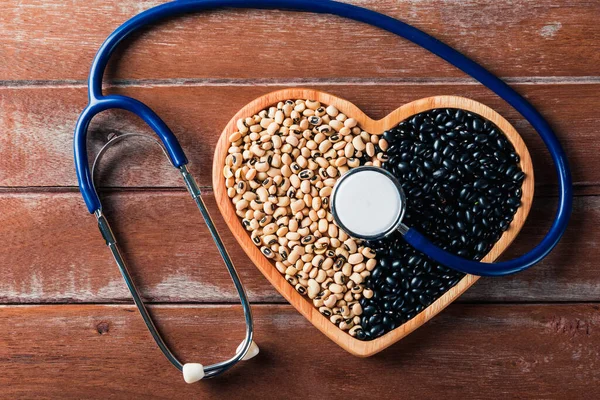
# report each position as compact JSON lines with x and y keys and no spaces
{"x":301,"y":303}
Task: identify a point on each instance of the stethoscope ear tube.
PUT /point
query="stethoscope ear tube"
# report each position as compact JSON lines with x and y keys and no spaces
{"x":98,"y":103}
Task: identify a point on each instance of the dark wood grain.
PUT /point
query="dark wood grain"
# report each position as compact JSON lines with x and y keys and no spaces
{"x":57,"y":40}
{"x":54,"y":253}
{"x":469,"y":351}
{"x":37,"y":149}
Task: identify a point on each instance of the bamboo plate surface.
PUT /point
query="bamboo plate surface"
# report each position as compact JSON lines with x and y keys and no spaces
{"x":302,"y":303}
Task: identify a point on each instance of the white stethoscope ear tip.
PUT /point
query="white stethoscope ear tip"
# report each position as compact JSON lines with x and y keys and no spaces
{"x":193,"y":372}
{"x":252,"y":351}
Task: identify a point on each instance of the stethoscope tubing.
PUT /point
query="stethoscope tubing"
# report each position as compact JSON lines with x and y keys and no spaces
{"x":99,"y":102}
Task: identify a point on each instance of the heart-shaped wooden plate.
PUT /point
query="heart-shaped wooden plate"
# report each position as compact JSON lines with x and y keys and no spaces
{"x":302,"y":303}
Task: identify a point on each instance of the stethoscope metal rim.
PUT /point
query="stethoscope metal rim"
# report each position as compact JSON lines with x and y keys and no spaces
{"x":397,"y":225}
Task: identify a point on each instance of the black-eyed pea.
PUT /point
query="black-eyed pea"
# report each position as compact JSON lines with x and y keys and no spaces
{"x":328,"y":182}
{"x":330,"y":273}
{"x":356,"y":278}
{"x":359,"y":267}
{"x":332,"y":111}
{"x":291,"y":270}
{"x":286,"y":171}
{"x":353,"y":162}
{"x":297,"y":206}
{"x":282,"y":231}
{"x":350,"y":245}
{"x":357,"y":289}
{"x":367,"y":293}
{"x":336,"y":288}
{"x":240,"y":213}
{"x":300,"y":288}
{"x":241,"y":204}
{"x":280,"y":267}
{"x":338,"y":264}
{"x":377,"y":163}
{"x":383,"y":144}
{"x":336,"y":124}
{"x":246,"y":224}
{"x":318,"y":302}
{"x":336,"y":319}
{"x":318,"y":260}
{"x":314,"y":272}
{"x":335,"y":242}
{"x":355,"y":329}
{"x":348,"y":297}
{"x":345,"y":311}
{"x":255,"y":225}
{"x":253,"y":185}
{"x":370,"y":149}
{"x":328,"y":281}
{"x":349,"y":151}
{"x":320,"y":249}
{"x":365,"y":274}
{"x":280,"y":212}
{"x":305,"y":223}
{"x":231,"y":192}
{"x":325,"y":191}
{"x":251,"y":174}
{"x":368,"y":252}
{"x":342,"y":236}
{"x":346,"y":268}
{"x":366,"y":138}
{"x":269,"y":208}
{"x":302,"y":275}
{"x":267,"y":252}
{"x":383,"y":157}
{"x":283,"y":252}
{"x":323,"y":225}
{"x":293,"y":225}
{"x":339,"y":278}
{"x":326,"y":311}
{"x":350,"y":123}
{"x":255,"y":129}
{"x":303,"y":232}
{"x":332,"y":230}
{"x":269,"y":240}
{"x":293,"y":256}
{"x":313,"y":288}
{"x":357,"y":309}
{"x":321,"y":275}
{"x":371,"y":264}
{"x":307,"y":267}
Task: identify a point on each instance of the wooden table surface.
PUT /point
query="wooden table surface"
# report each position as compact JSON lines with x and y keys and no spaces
{"x":67,"y":326}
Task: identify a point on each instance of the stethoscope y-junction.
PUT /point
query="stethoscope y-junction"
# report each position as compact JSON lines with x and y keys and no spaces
{"x":98,"y":102}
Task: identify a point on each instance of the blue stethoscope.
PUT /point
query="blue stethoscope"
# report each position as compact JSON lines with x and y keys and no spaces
{"x":99,"y":102}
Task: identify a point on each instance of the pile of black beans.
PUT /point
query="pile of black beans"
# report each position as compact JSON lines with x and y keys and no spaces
{"x":463,"y":183}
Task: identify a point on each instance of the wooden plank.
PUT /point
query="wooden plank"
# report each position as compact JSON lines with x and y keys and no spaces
{"x":469,"y":351}
{"x":52,"y":252}
{"x":41,"y":121}
{"x":56,"y":40}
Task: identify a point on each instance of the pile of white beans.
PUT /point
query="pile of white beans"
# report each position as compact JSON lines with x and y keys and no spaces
{"x":281,"y":167}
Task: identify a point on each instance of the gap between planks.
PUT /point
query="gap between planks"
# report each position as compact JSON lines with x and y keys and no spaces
{"x":191,"y":82}
{"x":187,"y":304}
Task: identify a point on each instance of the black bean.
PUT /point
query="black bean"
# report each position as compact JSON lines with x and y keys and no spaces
{"x":463,"y":185}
